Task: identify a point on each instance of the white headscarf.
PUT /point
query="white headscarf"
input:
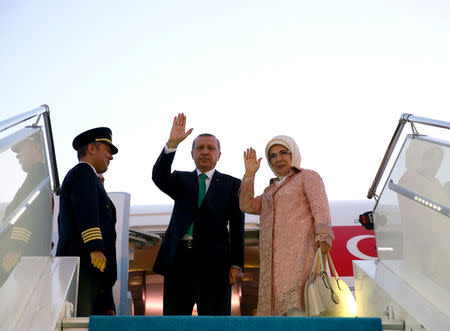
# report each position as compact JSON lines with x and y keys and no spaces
{"x":290,"y":144}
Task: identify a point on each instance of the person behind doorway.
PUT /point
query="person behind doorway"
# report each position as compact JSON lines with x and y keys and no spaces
{"x":200,"y":258}
{"x":26,"y":236}
{"x":424,"y":229}
{"x":86,"y":222}
{"x":294,"y":222}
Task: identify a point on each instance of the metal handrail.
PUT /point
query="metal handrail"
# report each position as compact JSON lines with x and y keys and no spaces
{"x":10,"y":122}
{"x":427,"y":121}
{"x":45,"y":111}
{"x":403,"y":119}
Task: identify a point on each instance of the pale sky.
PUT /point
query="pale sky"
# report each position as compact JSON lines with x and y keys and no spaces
{"x":334,"y":75}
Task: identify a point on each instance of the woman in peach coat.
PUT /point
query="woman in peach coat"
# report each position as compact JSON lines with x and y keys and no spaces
{"x":294,"y":222}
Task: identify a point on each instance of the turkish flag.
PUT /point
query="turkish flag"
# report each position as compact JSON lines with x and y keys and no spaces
{"x":351,"y":243}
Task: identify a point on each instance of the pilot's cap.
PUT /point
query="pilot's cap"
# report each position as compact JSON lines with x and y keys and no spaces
{"x":36,"y":137}
{"x":101,"y":135}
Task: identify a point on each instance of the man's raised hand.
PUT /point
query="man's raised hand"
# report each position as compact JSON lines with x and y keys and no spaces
{"x":178,"y":132}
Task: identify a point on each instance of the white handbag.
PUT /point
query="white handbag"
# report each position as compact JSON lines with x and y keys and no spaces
{"x":326,"y":295}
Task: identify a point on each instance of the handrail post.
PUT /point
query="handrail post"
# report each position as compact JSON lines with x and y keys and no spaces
{"x":387,"y":155}
{"x":51,"y":147}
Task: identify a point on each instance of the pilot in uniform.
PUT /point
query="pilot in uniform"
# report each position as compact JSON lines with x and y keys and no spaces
{"x":86,"y":222}
{"x":25,"y":236}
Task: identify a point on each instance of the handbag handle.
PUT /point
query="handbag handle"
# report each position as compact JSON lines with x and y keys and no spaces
{"x":333,"y":269}
{"x":316,"y":258}
{"x":319,"y":257}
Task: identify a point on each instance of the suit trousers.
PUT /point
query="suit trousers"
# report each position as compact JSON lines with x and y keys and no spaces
{"x":185,"y":286}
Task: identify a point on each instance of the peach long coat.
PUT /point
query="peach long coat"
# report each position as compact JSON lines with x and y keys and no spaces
{"x":294,"y":216}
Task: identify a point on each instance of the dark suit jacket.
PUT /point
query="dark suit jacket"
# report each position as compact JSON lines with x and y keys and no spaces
{"x":215,"y":248}
{"x":84,"y":208}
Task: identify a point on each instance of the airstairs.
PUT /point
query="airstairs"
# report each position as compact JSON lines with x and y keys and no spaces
{"x":409,"y":281}
{"x":37,"y":290}
{"x":407,"y":288}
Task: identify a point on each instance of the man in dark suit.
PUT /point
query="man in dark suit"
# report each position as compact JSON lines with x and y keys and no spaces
{"x":86,"y":222}
{"x":202,"y":253}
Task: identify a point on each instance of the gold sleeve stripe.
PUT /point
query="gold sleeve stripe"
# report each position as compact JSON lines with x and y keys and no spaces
{"x":91,"y":230}
{"x":92,"y":236}
{"x":20,"y":236}
{"x":19,"y":233}
{"x":18,"y":229}
{"x":90,"y":239}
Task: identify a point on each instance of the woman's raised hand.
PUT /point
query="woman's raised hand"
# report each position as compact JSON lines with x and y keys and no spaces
{"x":251,"y":162}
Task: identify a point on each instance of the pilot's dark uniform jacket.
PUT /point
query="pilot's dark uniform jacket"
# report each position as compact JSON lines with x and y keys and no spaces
{"x":26,"y":236}
{"x":86,"y":223}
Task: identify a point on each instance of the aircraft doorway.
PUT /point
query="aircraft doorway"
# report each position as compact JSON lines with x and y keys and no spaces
{"x":146,"y":287}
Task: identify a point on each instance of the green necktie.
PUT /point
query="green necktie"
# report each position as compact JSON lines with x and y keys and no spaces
{"x":201,"y":195}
